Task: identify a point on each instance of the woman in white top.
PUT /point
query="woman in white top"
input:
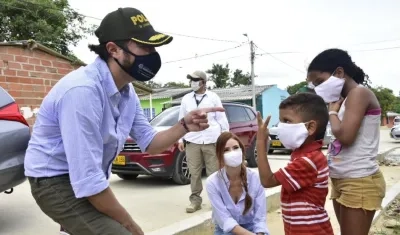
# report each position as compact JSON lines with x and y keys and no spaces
{"x":237,"y":197}
{"x":358,"y":186}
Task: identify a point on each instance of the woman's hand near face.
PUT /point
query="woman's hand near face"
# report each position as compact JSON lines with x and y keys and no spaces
{"x":335,"y":106}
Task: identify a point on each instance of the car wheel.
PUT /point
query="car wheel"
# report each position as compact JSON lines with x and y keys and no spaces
{"x":252,"y":155}
{"x":128,"y":176}
{"x":181,"y":173}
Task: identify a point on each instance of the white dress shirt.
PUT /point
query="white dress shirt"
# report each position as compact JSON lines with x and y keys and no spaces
{"x":217,"y":120}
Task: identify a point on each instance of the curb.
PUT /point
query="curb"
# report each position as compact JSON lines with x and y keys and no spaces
{"x":201,"y":224}
{"x":390,"y":195}
{"x":381,"y":156}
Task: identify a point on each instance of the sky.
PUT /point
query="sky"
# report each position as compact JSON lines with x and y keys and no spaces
{"x":293,"y":32}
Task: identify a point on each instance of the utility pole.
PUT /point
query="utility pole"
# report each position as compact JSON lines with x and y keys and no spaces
{"x":252,"y":55}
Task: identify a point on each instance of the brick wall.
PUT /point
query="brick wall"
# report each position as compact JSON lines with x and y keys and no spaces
{"x":28,"y":75}
{"x":387,"y":121}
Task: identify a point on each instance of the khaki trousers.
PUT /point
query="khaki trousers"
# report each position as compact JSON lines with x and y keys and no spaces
{"x":197,"y":155}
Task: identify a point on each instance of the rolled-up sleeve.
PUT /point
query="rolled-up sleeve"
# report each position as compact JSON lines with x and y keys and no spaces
{"x":80,"y":114}
{"x":221,"y":116}
{"x":222,"y":216}
{"x":260,"y":210}
{"x":142,"y":132}
{"x":182,"y":113}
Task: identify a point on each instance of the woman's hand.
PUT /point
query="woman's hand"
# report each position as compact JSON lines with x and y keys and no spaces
{"x":335,"y":106}
{"x":263,"y":131}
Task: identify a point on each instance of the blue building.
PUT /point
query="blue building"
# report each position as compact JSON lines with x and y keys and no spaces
{"x":268,"y":98}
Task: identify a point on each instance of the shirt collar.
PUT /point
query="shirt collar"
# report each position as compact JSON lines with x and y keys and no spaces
{"x":205,"y":93}
{"x":307,"y":148}
{"x":110,"y":86}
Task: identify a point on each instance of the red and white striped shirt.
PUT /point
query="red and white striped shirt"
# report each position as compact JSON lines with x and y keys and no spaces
{"x":304,"y":189}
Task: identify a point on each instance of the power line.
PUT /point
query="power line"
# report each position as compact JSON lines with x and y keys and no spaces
{"x":276,"y":58}
{"x":96,"y":18}
{"x":197,"y":56}
{"x":202,"y":38}
{"x":374,"y":42}
{"x":232,"y":57}
{"x":377,"y":49}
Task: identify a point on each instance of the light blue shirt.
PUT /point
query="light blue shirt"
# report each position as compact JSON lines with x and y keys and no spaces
{"x":82,"y":125}
{"x":226,"y":214}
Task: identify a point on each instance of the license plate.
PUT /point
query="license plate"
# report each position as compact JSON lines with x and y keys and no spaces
{"x":276,"y":143}
{"x":119,"y":160}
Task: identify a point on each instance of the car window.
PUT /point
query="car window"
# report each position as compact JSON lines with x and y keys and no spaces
{"x":236,"y":113}
{"x":251,"y":114}
{"x":5,"y":98}
{"x":168,"y":117}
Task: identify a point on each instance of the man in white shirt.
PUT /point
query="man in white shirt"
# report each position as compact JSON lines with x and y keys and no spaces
{"x":200,"y":146}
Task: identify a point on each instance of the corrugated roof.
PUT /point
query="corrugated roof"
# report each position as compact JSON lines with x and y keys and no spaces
{"x":234,"y":93}
{"x":162,"y":93}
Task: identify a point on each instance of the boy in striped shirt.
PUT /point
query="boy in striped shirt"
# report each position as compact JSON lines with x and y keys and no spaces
{"x":303,"y":120}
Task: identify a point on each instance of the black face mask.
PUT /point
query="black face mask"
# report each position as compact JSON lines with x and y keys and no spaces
{"x":144,"y":67}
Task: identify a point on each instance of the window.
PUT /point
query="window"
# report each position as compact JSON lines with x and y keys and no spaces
{"x":147,"y":113}
{"x":169,"y":117}
{"x":251,"y":114}
{"x":236,"y":113}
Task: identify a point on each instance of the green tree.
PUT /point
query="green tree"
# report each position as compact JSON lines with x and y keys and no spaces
{"x":396,"y":106}
{"x":175,"y":85}
{"x":52,"y":23}
{"x":152,"y":84}
{"x":220,"y":75}
{"x":239,"y":78}
{"x":386,"y":99}
{"x":296,"y":87}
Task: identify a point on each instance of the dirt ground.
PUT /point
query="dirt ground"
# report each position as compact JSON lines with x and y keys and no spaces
{"x":389,"y":222}
{"x":392,"y":176}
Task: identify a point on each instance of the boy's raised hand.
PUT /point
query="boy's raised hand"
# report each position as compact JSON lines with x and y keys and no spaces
{"x":263,"y":131}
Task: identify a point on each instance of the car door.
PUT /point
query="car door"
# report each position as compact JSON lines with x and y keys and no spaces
{"x":240,"y":123}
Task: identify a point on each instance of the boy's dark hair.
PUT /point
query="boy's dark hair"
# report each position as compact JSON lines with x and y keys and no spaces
{"x":101,"y":49}
{"x":329,"y":60}
{"x":311,"y":107}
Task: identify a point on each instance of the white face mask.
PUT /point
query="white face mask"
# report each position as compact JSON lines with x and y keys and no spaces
{"x":233,"y":158}
{"x":310,"y":85}
{"x":195,"y":85}
{"x":291,"y":135}
{"x":330,"y":89}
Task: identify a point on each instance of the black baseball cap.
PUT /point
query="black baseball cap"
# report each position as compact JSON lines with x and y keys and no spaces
{"x":130,"y":23}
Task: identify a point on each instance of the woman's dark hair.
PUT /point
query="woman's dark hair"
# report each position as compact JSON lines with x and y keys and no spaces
{"x":101,"y":49}
{"x":220,"y":149}
{"x":329,"y":60}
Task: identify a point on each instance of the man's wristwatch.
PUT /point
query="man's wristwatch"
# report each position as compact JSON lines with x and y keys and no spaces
{"x":183,"y":123}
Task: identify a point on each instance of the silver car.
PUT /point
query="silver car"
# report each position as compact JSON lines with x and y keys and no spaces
{"x":395,"y":132}
{"x":14,"y":138}
{"x":276,"y":144}
{"x":396,"y":121}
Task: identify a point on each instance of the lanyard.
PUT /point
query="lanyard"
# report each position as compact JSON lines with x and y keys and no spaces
{"x":198,"y":101}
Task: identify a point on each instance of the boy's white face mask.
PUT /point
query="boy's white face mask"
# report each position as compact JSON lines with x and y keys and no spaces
{"x":292,"y":135}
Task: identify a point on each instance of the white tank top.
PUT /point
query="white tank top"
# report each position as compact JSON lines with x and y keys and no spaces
{"x":359,"y":159}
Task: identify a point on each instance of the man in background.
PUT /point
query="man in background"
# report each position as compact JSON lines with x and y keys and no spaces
{"x":200,"y":146}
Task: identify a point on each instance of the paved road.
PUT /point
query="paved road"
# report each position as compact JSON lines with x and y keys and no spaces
{"x":154,"y":203}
